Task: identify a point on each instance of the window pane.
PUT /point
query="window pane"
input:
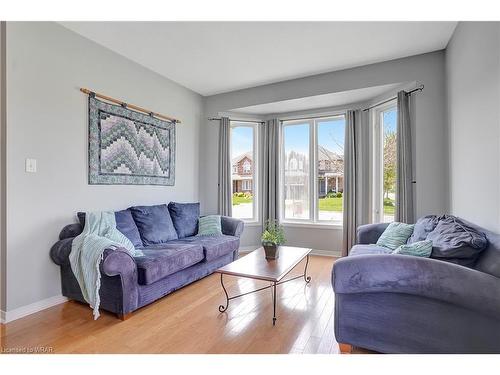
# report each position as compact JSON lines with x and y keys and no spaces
{"x":296,"y":176}
{"x":331,"y":133}
{"x":242,"y":154}
{"x":389,"y":119}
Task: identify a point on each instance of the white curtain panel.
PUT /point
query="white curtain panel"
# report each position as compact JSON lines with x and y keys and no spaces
{"x":225,"y":188}
{"x":404,"y":168}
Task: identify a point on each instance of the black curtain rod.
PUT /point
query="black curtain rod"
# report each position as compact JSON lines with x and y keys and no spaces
{"x":420,"y":88}
{"x":233,"y":119}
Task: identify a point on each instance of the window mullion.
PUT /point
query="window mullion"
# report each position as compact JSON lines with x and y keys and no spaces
{"x":312,"y":170}
{"x":255,"y":174}
{"x":311,"y":181}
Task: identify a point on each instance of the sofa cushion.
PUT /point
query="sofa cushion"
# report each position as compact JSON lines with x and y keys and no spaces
{"x":368,"y":250}
{"x":213,"y":246}
{"x":185,"y":218}
{"x":423,"y":227}
{"x":456,"y":242}
{"x":417,"y":249}
{"x":124,"y":223}
{"x":154,"y":224}
{"x":395,"y":235}
{"x":162,"y":260}
{"x":210,"y":225}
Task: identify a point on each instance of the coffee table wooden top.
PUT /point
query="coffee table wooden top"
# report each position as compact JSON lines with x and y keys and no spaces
{"x":256,"y":266}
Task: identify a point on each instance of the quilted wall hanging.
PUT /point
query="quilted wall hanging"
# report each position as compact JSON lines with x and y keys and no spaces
{"x":127,"y":147}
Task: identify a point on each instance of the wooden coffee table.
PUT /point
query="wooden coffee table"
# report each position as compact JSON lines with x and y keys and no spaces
{"x":256,"y":266}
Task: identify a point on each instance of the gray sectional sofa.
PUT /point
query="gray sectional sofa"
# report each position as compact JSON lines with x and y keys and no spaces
{"x":404,"y":304}
{"x":172,"y":255}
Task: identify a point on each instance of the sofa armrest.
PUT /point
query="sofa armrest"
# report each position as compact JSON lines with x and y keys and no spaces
{"x":59,"y":252}
{"x":370,"y":233}
{"x":120,"y":263}
{"x":122,"y":293}
{"x":232,"y":226}
{"x":70,"y":231}
{"x":114,"y":262}
{"x":61,"y":249}
{"x":392,"y":273}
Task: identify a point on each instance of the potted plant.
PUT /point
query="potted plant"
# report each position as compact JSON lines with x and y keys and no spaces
{"x":272,"y":237}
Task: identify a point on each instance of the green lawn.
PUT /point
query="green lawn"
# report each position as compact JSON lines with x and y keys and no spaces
{"x":239,"y":200}
{"x":335,"y":204}
{"x":330,"y":204}
{"x":388,"y":207}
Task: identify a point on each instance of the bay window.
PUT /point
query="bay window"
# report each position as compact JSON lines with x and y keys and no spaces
{"x":384,"y":159}
{"x":244,"y":136}
{"x":312,"y":170}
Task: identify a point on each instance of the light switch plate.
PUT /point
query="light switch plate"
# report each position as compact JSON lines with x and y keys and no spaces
{"x":31,"y":165}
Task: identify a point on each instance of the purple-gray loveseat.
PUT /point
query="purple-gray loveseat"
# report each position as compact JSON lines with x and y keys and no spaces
{"x":404,"y":304}
{"x":173,"y":256}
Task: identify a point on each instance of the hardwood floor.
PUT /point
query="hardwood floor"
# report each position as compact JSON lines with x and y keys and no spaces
{"x":188,"y":321}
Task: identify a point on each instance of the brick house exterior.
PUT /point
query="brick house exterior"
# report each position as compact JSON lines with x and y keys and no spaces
{"x":330,"y":173}
{"x":242,"y":173}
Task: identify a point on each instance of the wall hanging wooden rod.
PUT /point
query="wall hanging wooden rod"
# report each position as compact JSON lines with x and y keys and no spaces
{"x":130,"y":106}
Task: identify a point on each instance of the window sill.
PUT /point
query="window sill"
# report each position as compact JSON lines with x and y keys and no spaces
{"x":312,"y":225}
{"x":251,"y":223}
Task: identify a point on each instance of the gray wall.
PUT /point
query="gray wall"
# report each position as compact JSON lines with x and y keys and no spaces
{"x":430,"y":137}
{"x":3,"y":271}
{"x":47,"y":120}
{"x":473,"y":86}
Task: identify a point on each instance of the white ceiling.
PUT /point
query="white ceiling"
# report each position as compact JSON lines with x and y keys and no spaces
{"x":216,"y":57}
{"x":319,"y":101}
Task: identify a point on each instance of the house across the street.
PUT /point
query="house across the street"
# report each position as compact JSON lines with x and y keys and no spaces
{"x":330,"y":173}
{"x":242,"y":173}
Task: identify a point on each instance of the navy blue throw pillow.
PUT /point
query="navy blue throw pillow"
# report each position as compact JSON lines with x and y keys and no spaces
{"x":456,"y":242}
{"x":124,"y":223}
{"x":185,"y":218}
{"x":154,"y":224}
{"x":423,"y":227}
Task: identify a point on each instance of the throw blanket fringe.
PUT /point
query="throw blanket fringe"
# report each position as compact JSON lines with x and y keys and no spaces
{"x":87,"y":252}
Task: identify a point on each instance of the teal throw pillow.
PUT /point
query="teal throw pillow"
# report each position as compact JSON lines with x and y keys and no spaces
{"x":209,"y":225}
{"x":395,"y":235}
{"x":418,"y":249}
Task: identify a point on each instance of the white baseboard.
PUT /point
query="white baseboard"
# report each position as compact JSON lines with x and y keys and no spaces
{"x":20,"y":312}
{"x":323,"y":253}
{"x":2,"y":317}
{"x":326,"y":253}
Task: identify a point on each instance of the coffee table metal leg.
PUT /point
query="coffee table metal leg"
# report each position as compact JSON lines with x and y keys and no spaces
{"x":273,"y":285}
{"x":221,"y":307}
{"x":274,"y":304}
{"x":306,"y":278}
